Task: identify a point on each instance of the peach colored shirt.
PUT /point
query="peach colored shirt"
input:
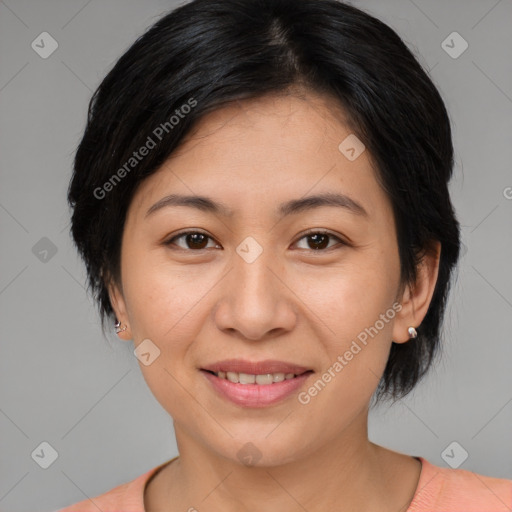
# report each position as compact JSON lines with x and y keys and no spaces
{"x":439,"y":490}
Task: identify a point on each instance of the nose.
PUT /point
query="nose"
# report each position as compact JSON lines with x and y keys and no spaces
{"x":256,"y":302}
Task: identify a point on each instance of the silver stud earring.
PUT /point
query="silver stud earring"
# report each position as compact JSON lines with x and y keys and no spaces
{"x":118,"y":327}
{"x":412,"y":332}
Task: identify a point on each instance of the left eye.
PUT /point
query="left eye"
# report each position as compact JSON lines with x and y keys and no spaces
{"x":319,"y":240}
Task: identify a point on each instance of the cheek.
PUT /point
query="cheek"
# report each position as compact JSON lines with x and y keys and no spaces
{"x":355,"y":306}
{"x":164,"y":308}
{"x":349,"y":298}
{"x":356,"y":345}
{"x":157,"y":295}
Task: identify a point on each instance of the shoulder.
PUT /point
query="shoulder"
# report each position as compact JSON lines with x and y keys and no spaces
{"x":460,"y":490}
{"x":128,"y":496}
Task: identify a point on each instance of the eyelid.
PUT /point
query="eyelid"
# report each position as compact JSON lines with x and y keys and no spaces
{"x":321,"y":231}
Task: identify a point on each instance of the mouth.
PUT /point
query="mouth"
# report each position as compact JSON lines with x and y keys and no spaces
{"x":262,"y":379}
{"x":243,"y":366}
{"x":255,"y":384}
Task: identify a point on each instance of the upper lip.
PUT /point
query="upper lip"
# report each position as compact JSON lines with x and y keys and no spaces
{"x":255,"y":367}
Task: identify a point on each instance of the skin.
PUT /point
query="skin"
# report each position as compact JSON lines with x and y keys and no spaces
{"x":293,"y":303}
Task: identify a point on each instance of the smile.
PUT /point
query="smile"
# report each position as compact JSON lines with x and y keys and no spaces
{"x":261,"y":379}
{"x":255,"y":390}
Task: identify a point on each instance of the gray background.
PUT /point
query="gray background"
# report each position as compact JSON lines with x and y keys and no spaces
{"x":62,"y":383}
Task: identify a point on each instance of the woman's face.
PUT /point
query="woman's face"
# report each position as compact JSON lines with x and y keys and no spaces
{"x":249,"y":284}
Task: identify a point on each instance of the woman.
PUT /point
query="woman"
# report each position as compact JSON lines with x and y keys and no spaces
{"x":261,"y":201}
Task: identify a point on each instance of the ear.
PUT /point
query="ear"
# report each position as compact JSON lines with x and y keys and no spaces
{"x":119,"y":306}
{"x":416,"y":300}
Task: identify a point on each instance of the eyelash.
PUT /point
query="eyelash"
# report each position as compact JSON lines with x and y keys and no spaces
{"x":170,"y":242}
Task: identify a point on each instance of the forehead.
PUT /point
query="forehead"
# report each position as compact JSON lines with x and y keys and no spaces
{"x":256,"y":151}
{"x":294,"y":122}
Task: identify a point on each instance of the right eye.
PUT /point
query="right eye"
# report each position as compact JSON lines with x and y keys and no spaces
{"x":195,"y":240}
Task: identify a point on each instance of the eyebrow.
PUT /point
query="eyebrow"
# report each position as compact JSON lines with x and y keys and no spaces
{"x":291,"y":207}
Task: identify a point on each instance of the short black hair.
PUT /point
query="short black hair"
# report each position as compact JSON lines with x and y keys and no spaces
{"x":207,"y":53}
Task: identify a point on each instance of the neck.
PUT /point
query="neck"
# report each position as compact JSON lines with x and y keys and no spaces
{"x":345,"y":473}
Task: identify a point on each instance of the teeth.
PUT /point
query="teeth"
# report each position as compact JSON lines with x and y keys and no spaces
{"x":232,"y":376}
{"x":247,"y":378}
{"x":261,"y":379}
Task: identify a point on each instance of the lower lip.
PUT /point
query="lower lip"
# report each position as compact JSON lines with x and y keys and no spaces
{"x":256,"y":395}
